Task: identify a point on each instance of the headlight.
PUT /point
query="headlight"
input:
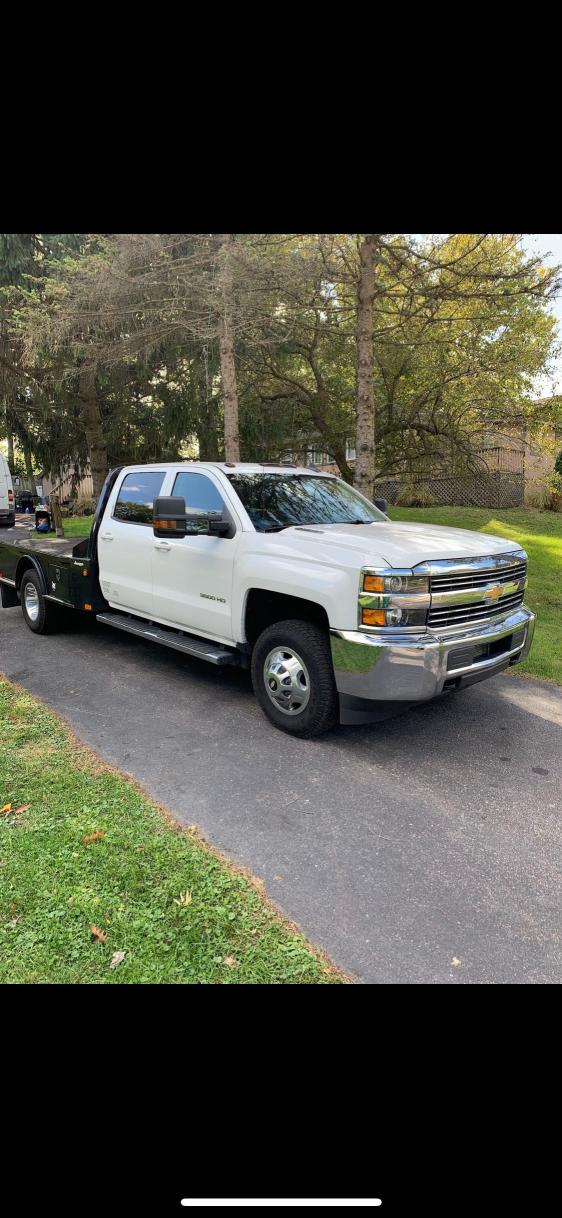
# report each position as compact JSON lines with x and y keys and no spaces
{"x":398,"y":599}
{"x":405,"y":582}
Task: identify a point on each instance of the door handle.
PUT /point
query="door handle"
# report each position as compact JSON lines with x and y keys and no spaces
{"x":162,"y":545}
{"x":107,"y":536}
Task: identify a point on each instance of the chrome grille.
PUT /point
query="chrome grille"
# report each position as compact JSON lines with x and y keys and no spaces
{"x":458,"y":615}
{"x":474,"y":579}
{"x":470,"y":591}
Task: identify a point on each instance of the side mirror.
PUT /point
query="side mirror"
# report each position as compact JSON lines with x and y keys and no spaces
{"x":169,"y":517}
{"x":218,"y":526}
{"x":381,"y":504}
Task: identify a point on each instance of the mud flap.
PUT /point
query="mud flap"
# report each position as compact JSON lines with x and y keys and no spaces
{"x":8,"y":596}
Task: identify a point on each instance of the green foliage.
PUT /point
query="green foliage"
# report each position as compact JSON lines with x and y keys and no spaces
{"x":462,"y":328}
{"x":413,"y":495}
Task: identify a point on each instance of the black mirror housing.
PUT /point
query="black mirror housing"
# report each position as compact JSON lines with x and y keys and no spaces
{"x":169,"y":516}
{"x":381,"y":504}
{"x":170,"y":519}
{"x":218,"y":526}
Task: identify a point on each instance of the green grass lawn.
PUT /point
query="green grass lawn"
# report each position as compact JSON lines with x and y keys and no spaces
{"x":540,"y":534}
{"x":154,"y":891}
{"x":77,"y":526}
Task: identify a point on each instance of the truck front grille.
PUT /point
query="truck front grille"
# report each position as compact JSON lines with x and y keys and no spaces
{"x":459,"y":615}
{"x":474,"y":579}
{"x":485,"y":590}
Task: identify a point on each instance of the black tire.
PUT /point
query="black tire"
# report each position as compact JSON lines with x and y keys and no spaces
{"x":48,"y":615}
{"x":306,"y":647}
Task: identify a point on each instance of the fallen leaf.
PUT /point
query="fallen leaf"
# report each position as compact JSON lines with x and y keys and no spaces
{"x":8,"y":810}
{"x":455,"y":961}
{"x":93,"y":837}
{"x":100,"y":935}
{"x":116,"y":959}
{"x":230,"y":961}
{"x":14,"y":921}
{"x":185,"y":898}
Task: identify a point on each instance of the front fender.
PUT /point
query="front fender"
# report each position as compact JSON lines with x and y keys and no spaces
{"x":322,"y":585}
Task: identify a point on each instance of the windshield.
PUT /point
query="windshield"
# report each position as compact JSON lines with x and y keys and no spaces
{"x":277,"y":501}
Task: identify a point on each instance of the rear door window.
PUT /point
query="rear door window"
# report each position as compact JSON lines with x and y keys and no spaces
{"x":137,"y":494}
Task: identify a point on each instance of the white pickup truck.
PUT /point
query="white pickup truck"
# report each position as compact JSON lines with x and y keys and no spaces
{"x":341,"y":614}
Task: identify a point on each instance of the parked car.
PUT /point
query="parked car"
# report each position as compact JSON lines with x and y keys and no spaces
{"x":26,"y":502}
{"x":338,"y":612}
{"x":7,"y":502}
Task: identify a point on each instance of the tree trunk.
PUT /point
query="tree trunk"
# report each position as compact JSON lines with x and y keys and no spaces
{"x":365,"y":441}
{"x":28,"y":461}
{"x":226,"y":350}
{"x":93,"y":427}
{"x":56,"y":514}
{"x":11,"y":451}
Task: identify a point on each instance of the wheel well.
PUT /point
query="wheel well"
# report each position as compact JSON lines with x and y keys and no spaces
{"x":27,"y":564}
{"x":263,"y":608}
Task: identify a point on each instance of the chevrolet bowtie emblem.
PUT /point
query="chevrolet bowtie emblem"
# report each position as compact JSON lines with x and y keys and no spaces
{"x":493,"y":594}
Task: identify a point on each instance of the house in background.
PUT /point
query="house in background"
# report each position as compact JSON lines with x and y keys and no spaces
{"x":67,"y":484}
{"x":512,"y":471}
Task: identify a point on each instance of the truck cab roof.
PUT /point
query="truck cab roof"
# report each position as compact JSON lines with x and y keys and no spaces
{"x":233,"y":467}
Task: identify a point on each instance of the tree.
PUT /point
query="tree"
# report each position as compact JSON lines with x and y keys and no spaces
{"x":365,"y":432}
{"x":226,"y":348}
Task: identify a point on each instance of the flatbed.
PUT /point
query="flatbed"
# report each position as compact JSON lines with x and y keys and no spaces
{"x":63,"y":547}
{"x":67,"y":573}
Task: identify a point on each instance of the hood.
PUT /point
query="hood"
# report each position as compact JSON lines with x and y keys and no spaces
{"x":404,"y":544}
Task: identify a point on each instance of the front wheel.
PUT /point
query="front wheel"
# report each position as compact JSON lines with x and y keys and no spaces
{"x":293,"y":678}
{"x":40,"y":615}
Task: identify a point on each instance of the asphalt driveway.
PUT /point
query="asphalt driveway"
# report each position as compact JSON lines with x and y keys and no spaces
{"x":423,"y":849}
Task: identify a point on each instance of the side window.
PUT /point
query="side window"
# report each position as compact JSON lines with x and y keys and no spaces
{"x":198,"y":492}
{"x":137,"y":495}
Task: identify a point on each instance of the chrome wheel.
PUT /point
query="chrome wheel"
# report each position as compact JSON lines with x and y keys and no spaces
{"x":31,"y":601}
{"x":286,"y":680}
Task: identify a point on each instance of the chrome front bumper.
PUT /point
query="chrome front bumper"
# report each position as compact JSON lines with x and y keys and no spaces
{"x":372,"y":668}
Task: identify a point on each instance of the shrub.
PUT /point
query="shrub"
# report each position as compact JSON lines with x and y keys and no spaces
{"x":413,"y":495}
{"x":84,"y":507}
{"x":555,"y":492}
{"x":546,"y":496}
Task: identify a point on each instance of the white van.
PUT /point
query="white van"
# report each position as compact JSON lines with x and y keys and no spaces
{"x":7,"y":502}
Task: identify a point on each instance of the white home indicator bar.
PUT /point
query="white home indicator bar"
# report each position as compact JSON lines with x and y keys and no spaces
{"x":282,"y":1201}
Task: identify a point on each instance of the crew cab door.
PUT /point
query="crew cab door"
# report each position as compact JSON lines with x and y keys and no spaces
{"x":126,"y":541}
{"x":192,"y":576}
